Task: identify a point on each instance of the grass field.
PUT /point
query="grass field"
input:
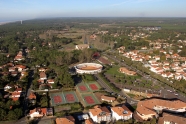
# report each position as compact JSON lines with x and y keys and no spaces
{"x":114,"y":70}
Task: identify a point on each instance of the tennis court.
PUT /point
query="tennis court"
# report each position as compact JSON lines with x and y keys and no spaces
{"x":70,"y":97}
{"x":57,"y":99}
{"x":90,"y":99}
{"x":93,"y":86}
{"x":82,"y":88}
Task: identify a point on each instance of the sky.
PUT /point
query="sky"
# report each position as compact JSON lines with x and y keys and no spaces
{"x":31,"y":9}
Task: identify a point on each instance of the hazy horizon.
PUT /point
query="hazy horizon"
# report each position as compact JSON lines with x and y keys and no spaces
{"x":16,"y":20}
{"x":11,"y":10}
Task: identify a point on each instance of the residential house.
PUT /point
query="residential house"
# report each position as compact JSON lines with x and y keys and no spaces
{"x":184,"y":76}
{"x":15,"y":96}
{"x":157,"y":70}
{"x":107,"y":98}
{"x":7,"y":87}
{"x":18,"y":90}
{"x":89,"y":121}
{"x":121,"y":49}
{"x":65,"y":120}
{"x":11,"y":69}
{"x":32,"y":96}
{"x":14,"y":73}
{"x":42,"y":69}
{"x":40,"y":112}
{"x":121,"y":113}
{"x":152,"y":61}
{"x":144,"y":48}
{"x":163,"y":51}
{"x":168,"y":56}
{"x":166,"y":67}
{"x":150,"y":108}
{"x":20,"y":67}
{"x":99,"y":114}
{"x":43,"y":76}
{"x":93,"y":37}
{"x":171,"y":119}
{"x":175,"y":55}
{"x":126,"y":71}
{"x":167,"y":74}
{"x":154,"y":64}
{"x":178,"y":76}
{"x":157,"y":58}
{"x":50,"y":81}
{"x":19,"y":56}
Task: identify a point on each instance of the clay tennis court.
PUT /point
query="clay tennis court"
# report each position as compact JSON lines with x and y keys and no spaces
{"x":93,"y":86}
{"x":89,"y":99}
{"x":57,"y":99}
{"x":83,"y":88}
{"x":70,"y":97}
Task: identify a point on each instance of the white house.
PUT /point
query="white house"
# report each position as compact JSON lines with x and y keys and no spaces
{"x":167,"y":74}
{"x":99,"y":114}
{"x":40,"y":112}
{"x":121,"y":113}
{"x":178,"y":76}
{"x":7,"y":87}
{"x":11,"y":69}
{"x":50,"y":81}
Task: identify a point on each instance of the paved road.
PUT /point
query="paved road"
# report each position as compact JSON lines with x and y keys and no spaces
{"x":25,"y":102}
{"x":165,"y":92}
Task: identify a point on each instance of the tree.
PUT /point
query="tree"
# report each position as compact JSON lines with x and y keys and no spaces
{"x":18,"y":112}
{"x":12,"y":115}
{"x":3,"y":114}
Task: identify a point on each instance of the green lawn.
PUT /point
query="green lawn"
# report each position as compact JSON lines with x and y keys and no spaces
{"x":114,"y":71}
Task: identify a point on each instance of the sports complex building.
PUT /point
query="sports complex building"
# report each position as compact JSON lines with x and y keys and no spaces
{"x":88,"y":68}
